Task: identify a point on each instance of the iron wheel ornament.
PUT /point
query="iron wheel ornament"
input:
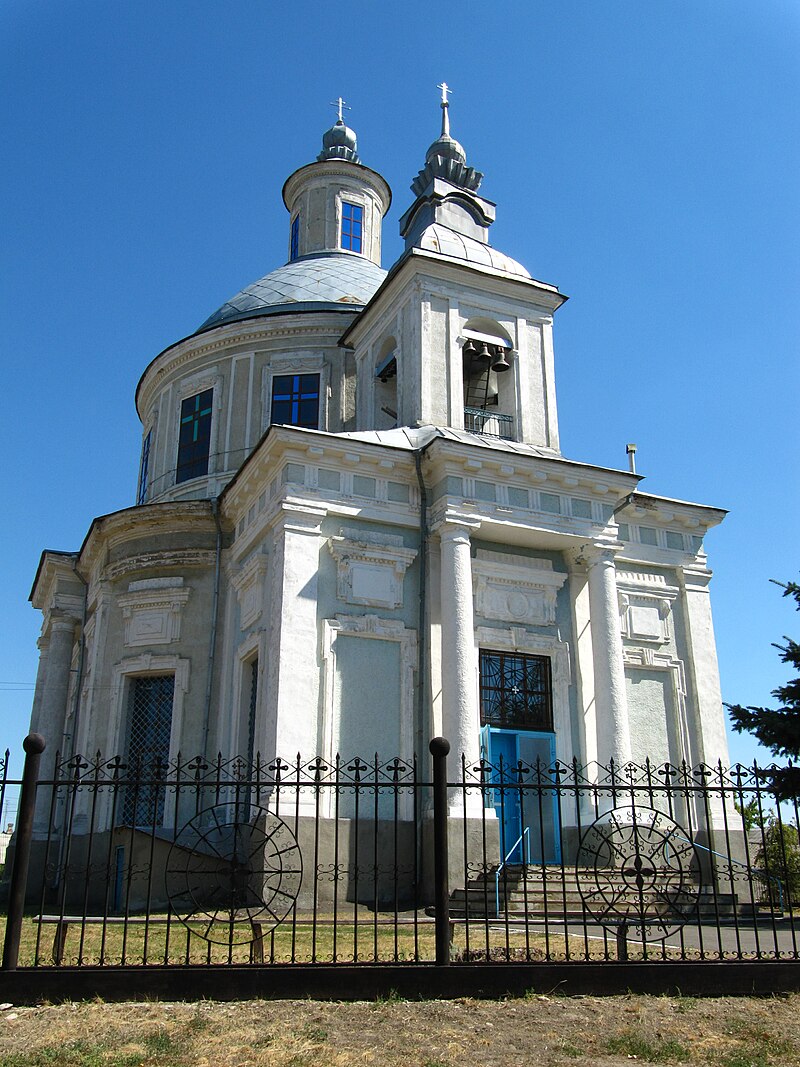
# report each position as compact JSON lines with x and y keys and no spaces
{"x":636,"y":868}
{"x":233,"y":868}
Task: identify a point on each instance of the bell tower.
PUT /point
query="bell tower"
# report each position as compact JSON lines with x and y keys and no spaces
{"x":459,"y":332}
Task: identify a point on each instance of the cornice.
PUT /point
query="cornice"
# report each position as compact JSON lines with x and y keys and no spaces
{"x":180,"y":558}
{"x":219,"y":338}
{"x":414,"y":259}
{"x":448,"y":456}
{"x":134,"y":523}
{"x":663,"y":510}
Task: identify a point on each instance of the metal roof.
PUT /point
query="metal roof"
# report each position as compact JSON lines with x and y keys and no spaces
{"x":324,"y":280}
{"x":448,"y":242}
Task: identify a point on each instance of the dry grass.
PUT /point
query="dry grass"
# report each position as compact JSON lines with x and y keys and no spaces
{"x":547,"y":1030}
{"x":306,"y":942}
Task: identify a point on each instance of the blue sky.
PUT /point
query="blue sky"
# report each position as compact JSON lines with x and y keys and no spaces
{"x":643,"y":157}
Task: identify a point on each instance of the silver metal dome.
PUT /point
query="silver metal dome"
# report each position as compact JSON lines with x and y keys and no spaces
{"x":339,"y":142}
{"x":324,"y":281}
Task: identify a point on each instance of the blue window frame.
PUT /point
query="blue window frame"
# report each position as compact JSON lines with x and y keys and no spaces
{"x":295,"y":400}
{"x":144,"y":468}
{"x":294,"y":241}
{"x":194,"y":440}
{"x":352,"y":226}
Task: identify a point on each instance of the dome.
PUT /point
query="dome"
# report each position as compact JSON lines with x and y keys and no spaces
{"x":339,"y":142}
{"x":447,"y":242}
{"x":322,"y":282}
{"x":448,"y":148}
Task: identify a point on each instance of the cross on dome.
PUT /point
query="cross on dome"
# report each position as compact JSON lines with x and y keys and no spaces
{"x":340,"y":105}
{"x":445,"y":108}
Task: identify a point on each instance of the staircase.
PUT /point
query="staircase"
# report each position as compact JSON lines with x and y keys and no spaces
{"x":552,"y":894}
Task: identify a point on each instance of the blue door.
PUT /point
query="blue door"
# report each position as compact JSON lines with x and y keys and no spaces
{"x":526,"y":805}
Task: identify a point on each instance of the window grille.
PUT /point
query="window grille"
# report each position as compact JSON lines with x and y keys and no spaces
{"x":295,"y":400}
{"x":251,"y":711}
{"x":516,"y":691}
{"x":194,"y":440}
{"x":147,"y":748}
{"x":352,"y":225}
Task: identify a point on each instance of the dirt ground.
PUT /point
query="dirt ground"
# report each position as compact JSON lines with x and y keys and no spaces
{"x":541,"y":1030}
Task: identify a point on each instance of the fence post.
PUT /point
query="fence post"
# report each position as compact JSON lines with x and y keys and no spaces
{"x":34,"y":745}
{"x":439,"y":748}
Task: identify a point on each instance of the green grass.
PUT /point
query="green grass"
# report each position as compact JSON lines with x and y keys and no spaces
{"x":629,"y":1043}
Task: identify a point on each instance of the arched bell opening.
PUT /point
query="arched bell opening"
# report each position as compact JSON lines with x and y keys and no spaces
{"x":386,"y":400}
{"x":488,"y":402}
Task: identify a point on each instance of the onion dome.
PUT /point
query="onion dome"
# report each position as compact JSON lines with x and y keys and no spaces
{"x":446,"y":158}
{"x":339,"y":142}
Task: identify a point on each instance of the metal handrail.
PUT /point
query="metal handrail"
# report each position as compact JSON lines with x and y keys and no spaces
{"x":477,"y":419}
{"x":524,"y":836}
{"x":738,"y":863}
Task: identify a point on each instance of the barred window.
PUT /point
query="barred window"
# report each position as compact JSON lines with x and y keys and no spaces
{"x":251,"y":669}
{"x":516,"y":691}
{"x":147,"y":747}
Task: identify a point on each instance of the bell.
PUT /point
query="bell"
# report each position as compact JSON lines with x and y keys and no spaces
{"x":469,"y":348}
{"x":484,"y":355}
{"x":501,"y":363}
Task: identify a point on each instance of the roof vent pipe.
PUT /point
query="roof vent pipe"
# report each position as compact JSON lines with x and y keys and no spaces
{"x":631,"y":450}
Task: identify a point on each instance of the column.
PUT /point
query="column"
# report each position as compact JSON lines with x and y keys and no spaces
{"x":460,"y":715}
{"x":611,"y":704}
{"x":583,"y":659}
{"x":43,"y":644}
{"x":52,"y":709}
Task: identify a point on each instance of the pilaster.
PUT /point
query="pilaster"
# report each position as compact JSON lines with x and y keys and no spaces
{"x":293,"y":688}
{"x":707,"y":724}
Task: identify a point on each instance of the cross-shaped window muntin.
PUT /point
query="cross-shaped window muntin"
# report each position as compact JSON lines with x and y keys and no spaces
{"x":516,"y":690}
{"x":194,"y":440}
{"x":295,"y":400}
{"x":352,"y":224}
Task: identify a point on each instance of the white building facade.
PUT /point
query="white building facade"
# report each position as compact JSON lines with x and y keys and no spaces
{"x":355,"y":529}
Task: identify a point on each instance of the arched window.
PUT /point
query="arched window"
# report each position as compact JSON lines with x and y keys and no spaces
{"x":386,"y":410}
{"x":489,"y":404}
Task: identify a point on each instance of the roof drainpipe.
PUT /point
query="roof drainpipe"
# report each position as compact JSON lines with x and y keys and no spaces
{"x":423,"y":568}
{"x":422,"y":645}
{"x":212,"y":641}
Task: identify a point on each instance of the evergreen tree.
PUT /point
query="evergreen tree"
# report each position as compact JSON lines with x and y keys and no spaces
{"x":778,"y":729}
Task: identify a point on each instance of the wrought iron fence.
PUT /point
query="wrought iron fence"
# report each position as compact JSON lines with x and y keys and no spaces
{"x":157,"y":862}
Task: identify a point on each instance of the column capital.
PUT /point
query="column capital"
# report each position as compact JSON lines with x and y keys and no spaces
{"x":300,"y":518}
{"x":60,"y":622}
{"x":594,"y":552}
{"x":694,"y":579}
{"x":453,"y":526}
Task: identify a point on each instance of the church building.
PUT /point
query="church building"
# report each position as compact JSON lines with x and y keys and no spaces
{"x":355,"y":528}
